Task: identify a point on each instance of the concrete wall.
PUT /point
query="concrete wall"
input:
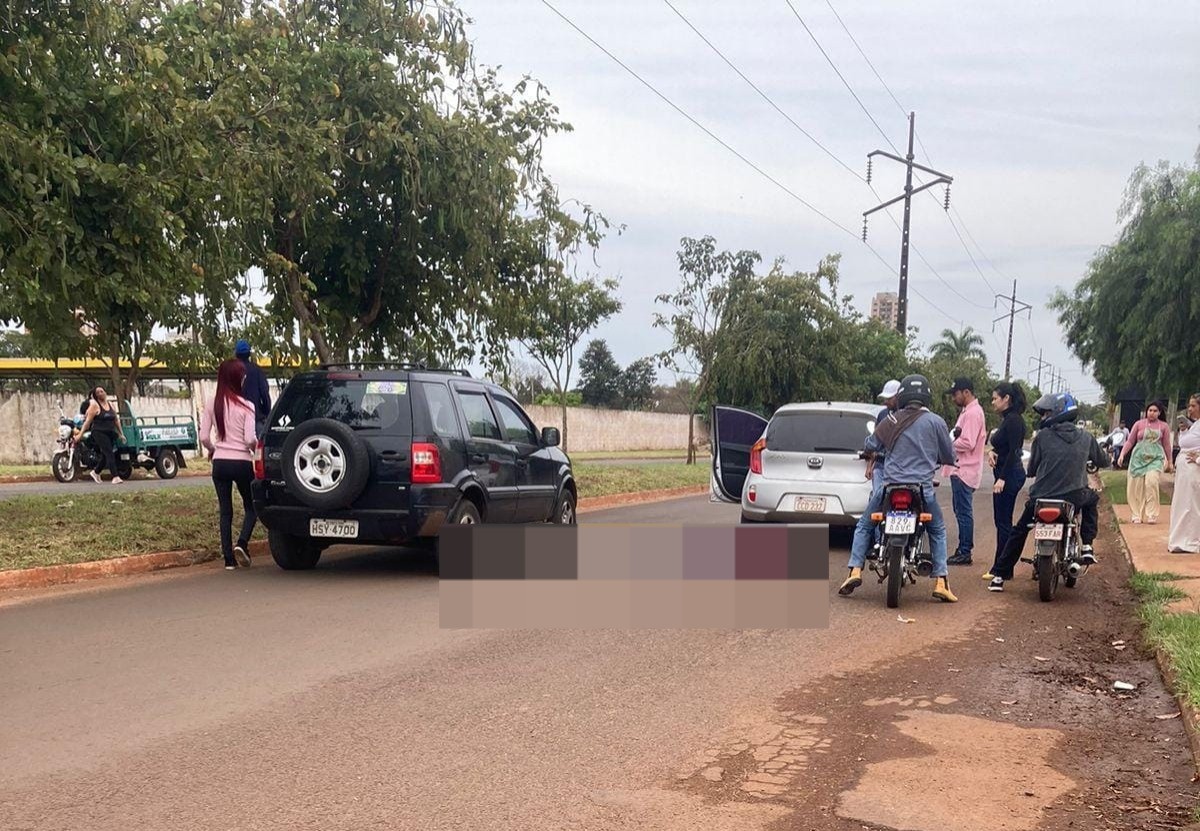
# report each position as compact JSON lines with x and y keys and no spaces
{"x":29,"y":421}
{"x":614,"y":430}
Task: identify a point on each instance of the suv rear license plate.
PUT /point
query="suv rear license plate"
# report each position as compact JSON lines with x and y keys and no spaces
{"x":810,"y":505}
{"x":1047,"y":532}
{"x":900,"y":524}
{"x":346,"y":529}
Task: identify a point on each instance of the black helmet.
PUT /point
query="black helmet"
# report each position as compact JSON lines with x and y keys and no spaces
{"x":1056,"y":408}
{"x":914,"y":388}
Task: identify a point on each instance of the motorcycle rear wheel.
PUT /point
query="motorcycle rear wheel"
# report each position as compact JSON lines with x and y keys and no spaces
{"x":1047,"y":566}
{"x":895,"y":579}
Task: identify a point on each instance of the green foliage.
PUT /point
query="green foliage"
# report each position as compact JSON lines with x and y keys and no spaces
{"x":1133,"y":318}
{"x":109,"y":216}
{"x":573,"y":398}
{"x":599,"y":376}
{"x":964,"y":346}
{"x":14,"y":344}
{"x":637,"y":384}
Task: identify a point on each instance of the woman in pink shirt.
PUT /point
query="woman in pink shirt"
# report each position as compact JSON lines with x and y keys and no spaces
{"x":232,"y":456}
{"x":1148,"y":449}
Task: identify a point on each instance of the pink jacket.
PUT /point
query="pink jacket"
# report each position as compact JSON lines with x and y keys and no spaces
{"x":969,"y":446}
{"x":240,"y":440}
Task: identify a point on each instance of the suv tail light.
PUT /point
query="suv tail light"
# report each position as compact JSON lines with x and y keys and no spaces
{"x":901,"y":500}
{"x":1049,"y":514}
{"x":260,"y":461}
{"x":426,"y":464}
{"x":756,"y":455}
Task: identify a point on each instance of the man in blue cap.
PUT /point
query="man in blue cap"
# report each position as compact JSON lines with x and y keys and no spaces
{"x":256,"y":389}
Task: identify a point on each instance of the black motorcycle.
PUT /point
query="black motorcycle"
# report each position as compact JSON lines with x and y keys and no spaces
{"x":903,"y":553}
{"x":1057,"y":546}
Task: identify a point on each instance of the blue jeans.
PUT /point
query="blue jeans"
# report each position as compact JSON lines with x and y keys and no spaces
{"x":1003,"y":505}
{"x":936,"y":528}
{"x":964,"y":513}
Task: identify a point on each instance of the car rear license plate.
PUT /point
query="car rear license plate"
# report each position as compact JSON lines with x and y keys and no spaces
{"x":346,"y":529}
{"x":1047,"y":532}
{"x":900,"y":524}
{"x":810,"y":505}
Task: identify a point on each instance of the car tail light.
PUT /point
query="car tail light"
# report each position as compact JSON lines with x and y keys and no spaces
{"x":426,"y":464}
{"x":756,"y":455}
{"x":901,"y":500}
{"x":260,"y":461}
{"x":752,"y":493}
{"x":1049,"y":514}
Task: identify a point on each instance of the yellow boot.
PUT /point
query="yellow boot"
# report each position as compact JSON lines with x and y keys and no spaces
{"x":852,"y":582}
{"x":941,"y":590}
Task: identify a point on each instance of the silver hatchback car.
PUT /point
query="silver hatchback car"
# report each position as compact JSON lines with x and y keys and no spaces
{"x":801,"y":466}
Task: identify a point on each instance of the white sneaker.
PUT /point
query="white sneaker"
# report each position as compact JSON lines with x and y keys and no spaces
{"x":242,"y":556}
{"x":95,"y":476}
{"x":116,"y":480}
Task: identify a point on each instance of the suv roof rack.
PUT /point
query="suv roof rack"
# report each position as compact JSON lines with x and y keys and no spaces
{"x":393,"y":365}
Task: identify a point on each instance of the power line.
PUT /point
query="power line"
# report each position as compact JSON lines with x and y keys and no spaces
{"x":762,"y":94}
{"x":846,"y":29}
{"x":838,"y":72}
{"x":697,"y":124}
{"x":811,"y":138}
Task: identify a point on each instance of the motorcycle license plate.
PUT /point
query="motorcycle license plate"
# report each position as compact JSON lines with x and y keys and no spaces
{"x":346,"y":529}
{"x":1047,"y":532}
{"x":900,"y":524}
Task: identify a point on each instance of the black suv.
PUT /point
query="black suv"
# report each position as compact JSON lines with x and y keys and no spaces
{"x":386,"y":454}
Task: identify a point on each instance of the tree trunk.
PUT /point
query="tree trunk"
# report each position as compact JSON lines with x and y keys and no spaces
{"x":691,"y":450}
{"x":562,"y":400}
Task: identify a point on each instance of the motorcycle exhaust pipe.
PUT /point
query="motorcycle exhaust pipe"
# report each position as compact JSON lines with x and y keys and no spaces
{"x":925,"y":568}
{"x":1075,"y":569}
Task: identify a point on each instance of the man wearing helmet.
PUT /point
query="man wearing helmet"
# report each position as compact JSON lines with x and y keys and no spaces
{"x":916,"y":443}
{"x":1059,"y":463}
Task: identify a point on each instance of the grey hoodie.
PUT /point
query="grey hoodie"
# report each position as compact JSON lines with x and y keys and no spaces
{"x":1059,"y":460}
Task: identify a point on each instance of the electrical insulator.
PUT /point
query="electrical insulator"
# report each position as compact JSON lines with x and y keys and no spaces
{"x":864,"y":229}
{"x":869,"y":160}
{"x":946,"y":204}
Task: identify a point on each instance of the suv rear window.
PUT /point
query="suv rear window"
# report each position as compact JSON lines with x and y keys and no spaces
{"x":356,"y":402}
{"x":819,"y":432}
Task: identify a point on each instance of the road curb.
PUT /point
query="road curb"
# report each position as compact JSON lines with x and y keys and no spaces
{"x":1188,"y":714}
{"x":47,"y":576}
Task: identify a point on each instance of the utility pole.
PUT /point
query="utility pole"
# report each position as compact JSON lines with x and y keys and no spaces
{"x":1013,"y":311}
{"x":906,"y":197}
{"x":1040,"y":365}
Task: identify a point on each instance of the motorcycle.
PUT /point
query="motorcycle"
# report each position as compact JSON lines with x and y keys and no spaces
{"x":903,"y":553}
{"x":1057,"y":545}
{"x":69,"y":459}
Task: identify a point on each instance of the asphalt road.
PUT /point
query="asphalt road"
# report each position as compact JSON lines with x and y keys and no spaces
{"x":330,"y":699}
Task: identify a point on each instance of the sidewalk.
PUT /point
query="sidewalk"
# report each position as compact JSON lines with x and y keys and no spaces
{"x":1147,"y":546}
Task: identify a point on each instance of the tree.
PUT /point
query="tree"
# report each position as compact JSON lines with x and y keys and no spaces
{"x":1133,"y":318}
{"x":525,"y":380}
{"x":960,"y":346}
{"x":637,"y":384}
{"x":385,"y":180}
{"x":110,"y":219}
{"x":675,"y":398}
{"x":696,"y":312}
{"x":557,"y":318}
{"x":14,"y":344}
{"x":599,"y":376}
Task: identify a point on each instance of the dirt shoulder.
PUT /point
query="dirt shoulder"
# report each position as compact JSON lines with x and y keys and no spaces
{"x":1016,"y":725}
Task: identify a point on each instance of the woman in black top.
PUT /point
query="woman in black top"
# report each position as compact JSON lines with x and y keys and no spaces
{"x":105,"y":423}
{"x":1005,"y":458}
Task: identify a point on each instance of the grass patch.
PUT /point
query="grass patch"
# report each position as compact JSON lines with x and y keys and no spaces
{"x":1177,"y":635}
{"x":1115,"y":486}
{"x":77,"y":528}
{"x":195,"y":467}
{"x":606,"y":480}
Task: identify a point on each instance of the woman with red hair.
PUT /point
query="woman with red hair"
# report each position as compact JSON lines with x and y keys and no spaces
{"x":232,"y":457}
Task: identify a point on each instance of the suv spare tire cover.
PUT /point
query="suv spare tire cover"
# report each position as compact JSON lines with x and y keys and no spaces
{"x":325,"y":464}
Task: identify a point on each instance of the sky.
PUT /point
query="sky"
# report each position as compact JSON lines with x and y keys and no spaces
{"x":1039,"y":111}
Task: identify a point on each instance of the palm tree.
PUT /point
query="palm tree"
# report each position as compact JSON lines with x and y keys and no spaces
{"x":960,"y":346}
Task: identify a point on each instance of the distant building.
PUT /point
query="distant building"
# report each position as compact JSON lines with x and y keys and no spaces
{"x":885,"y":306}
